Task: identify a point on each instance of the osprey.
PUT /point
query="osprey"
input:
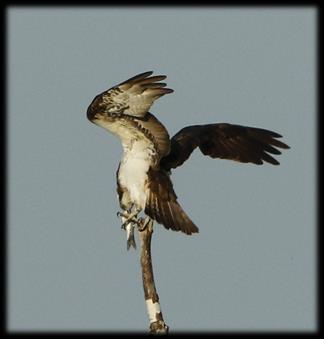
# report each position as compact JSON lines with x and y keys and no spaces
{"x":143,"y":175}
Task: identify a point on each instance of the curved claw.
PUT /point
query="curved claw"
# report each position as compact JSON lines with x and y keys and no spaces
{"x":125,"y":223}
{"x":122,"y":214}
{"x":130,"y":218}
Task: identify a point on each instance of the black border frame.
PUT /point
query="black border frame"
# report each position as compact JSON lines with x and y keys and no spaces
{"x":8,"y":4}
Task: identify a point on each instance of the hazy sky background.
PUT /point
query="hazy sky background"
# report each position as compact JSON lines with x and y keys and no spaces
{"x":252,"y":266}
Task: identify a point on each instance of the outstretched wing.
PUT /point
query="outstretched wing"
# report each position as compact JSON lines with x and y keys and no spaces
{"x":225,"y":141}
{"x":162,"y":204}
{"x":136,"y":95}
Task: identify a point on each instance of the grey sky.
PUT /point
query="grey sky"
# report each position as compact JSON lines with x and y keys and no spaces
{"x":252,"y":266}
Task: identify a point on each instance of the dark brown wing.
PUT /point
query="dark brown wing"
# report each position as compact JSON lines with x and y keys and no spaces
{"x":162,"y":205}
{"x":225,"y":141}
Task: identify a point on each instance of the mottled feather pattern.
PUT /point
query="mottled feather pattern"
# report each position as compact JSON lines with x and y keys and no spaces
{"x":149,"y":154}
{"x":136,"y":95}
{"x":154,"y":130}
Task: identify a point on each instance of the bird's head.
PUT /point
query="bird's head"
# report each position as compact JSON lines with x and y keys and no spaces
{"x":102,"y":107}
{"x":97,"y":109}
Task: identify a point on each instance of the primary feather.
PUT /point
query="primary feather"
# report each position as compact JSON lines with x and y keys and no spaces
{"x":143,"y":176}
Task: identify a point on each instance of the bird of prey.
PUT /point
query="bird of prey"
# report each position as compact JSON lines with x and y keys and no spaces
{"x":143,"y":175}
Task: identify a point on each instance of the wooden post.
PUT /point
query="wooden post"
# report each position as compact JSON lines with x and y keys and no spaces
{"x":157,"y":324}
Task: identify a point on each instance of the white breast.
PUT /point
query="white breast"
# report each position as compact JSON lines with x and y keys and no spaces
{"x":133,"y":171}
{"x":138,"y":154}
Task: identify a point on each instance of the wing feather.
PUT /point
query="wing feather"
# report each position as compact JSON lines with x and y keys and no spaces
{"x":134,"y":96}
{"x":156,"y":131}
{"x":224,"y":141}
{"x":136,"y":78}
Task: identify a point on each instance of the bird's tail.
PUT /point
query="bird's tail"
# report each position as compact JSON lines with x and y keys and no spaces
{"x":162,"y":204}
{"x":171,"y":215}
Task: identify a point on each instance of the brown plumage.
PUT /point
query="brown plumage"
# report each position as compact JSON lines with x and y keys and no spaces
{"x":162,"y":204}
{"x":143,"y":176}
{"x":224,"y":141}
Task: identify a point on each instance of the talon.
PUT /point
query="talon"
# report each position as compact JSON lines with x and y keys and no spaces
{"x":124,"y":224}
{"x":121,"y":214}
{"x":129,"y":220}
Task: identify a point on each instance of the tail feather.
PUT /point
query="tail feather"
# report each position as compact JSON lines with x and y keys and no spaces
{"x":171,"y":216}
{"x":163,"y":207}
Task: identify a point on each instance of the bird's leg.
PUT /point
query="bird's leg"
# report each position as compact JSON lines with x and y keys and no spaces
{"x":129,"y":220}
{"x":126,"y":215}
{"x":125,"y":218}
